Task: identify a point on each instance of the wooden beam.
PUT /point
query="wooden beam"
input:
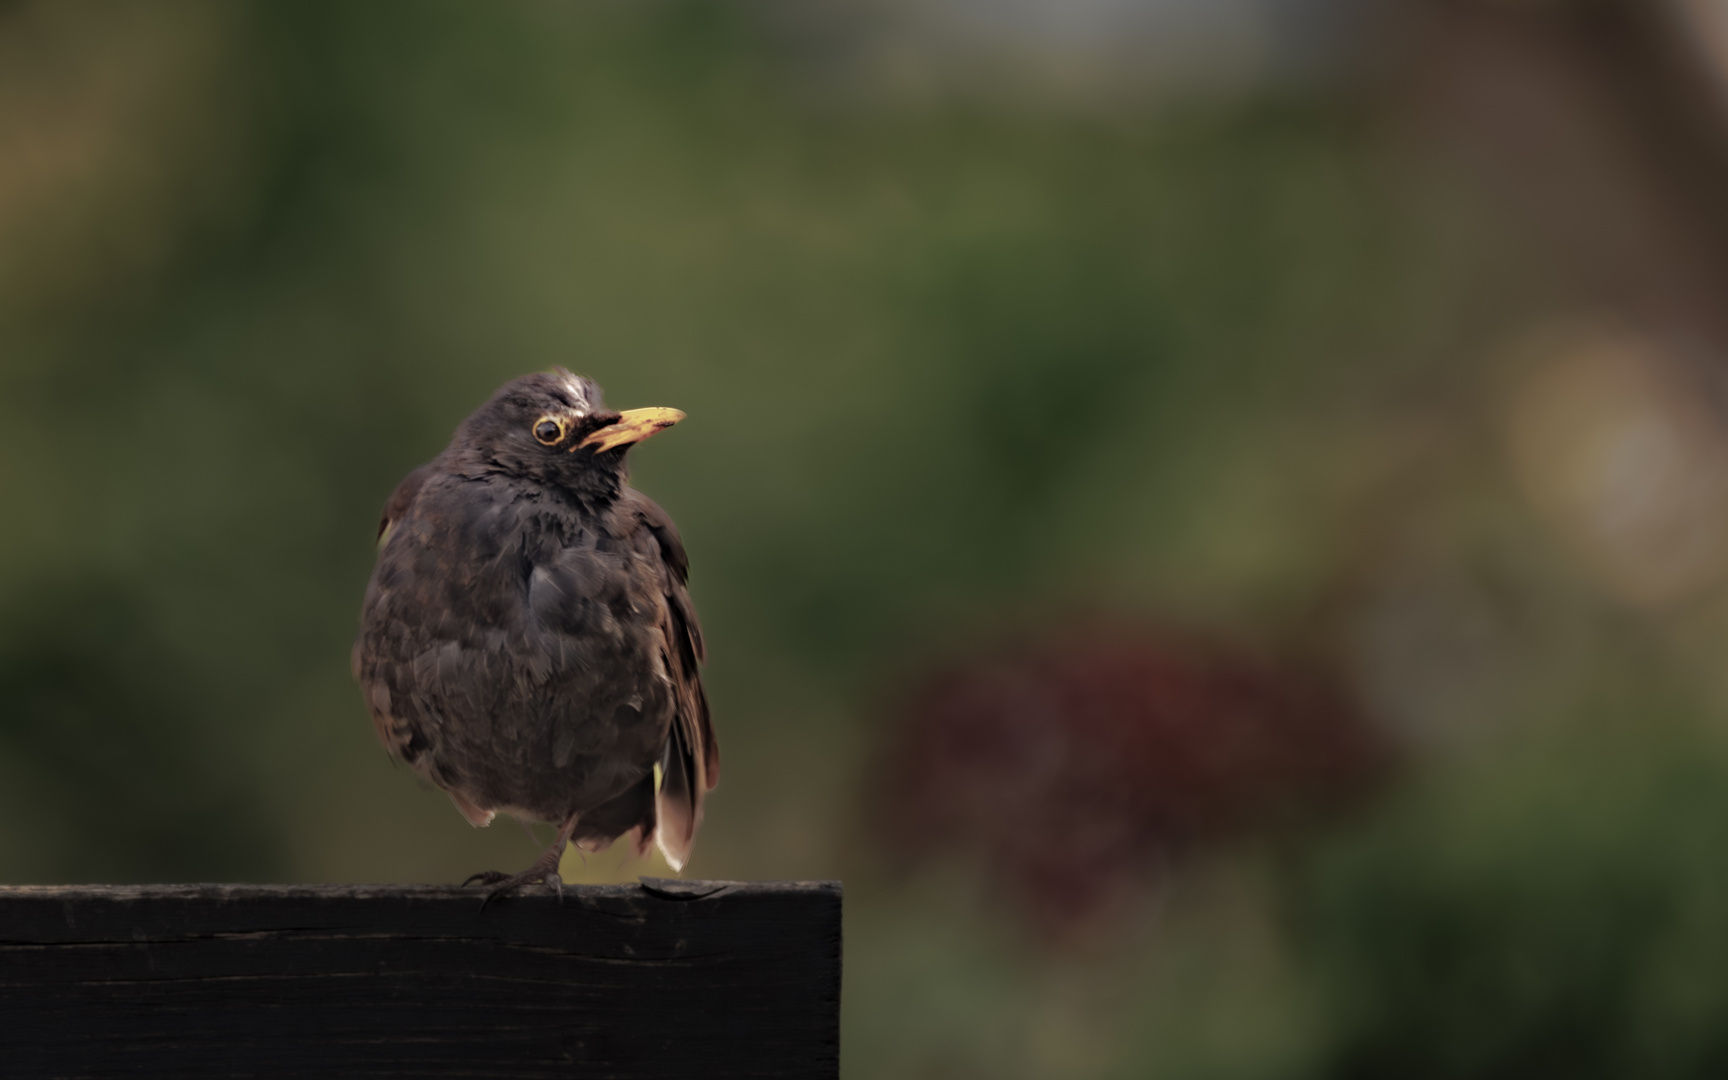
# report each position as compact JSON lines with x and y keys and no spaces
{"x":663,"y":979}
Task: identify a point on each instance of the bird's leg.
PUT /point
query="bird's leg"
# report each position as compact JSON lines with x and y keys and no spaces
{"x":544,"y":870}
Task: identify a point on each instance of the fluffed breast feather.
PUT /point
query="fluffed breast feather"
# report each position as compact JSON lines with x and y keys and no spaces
{"x":491,"y":652}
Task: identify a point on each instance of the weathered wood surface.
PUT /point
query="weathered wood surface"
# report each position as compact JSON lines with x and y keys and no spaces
{"x":686,"y":979}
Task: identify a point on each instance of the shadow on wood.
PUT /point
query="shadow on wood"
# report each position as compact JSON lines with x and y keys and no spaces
{"x":662,"y":979}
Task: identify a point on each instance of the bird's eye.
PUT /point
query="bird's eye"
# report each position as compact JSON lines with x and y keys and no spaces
{"x":549,"y":430}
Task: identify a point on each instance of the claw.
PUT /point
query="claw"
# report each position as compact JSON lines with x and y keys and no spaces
{"x":507,"y":883}
{"x":544,"y":871}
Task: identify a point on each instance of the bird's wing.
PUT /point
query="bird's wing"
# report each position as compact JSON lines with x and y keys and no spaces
{"x":400,"y":500}
{"x":690,"y":765}
{"x":396,"y":736}
{"x":431,"y":627}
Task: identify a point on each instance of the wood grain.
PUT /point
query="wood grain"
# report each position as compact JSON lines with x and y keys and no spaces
{"x":662,"y":979}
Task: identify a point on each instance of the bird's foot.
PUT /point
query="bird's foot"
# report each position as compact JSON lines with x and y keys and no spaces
{"x":499,"y":883}
{"x":544,"y":871}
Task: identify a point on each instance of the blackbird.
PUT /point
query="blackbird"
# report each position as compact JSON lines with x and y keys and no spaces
{"x":527,"y":642}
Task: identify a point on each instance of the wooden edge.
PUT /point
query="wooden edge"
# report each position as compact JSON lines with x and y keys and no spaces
{"x":662,"y":888}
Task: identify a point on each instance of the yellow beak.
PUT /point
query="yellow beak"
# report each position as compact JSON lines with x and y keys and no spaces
{"x":633,"y":426}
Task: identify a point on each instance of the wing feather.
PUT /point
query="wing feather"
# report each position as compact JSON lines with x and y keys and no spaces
{"x":690,"y":763}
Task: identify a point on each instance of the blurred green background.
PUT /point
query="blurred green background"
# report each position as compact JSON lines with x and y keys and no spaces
{"x":986,"y":319}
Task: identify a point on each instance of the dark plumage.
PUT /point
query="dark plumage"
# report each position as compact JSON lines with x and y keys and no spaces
{"x":527,"y":642}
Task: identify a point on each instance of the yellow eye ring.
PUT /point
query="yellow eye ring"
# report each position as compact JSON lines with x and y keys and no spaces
{"x":549,"y":430}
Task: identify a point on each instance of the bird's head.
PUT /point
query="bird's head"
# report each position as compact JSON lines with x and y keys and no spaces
{"x":554,"y":427}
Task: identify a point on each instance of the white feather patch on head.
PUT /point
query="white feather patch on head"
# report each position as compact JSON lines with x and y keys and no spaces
{"x":573,"y":386}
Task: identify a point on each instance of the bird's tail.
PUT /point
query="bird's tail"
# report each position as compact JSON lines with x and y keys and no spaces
{"x":689,"y":768}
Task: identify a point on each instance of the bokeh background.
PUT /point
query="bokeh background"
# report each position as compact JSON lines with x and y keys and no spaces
{"x":1211,"y":516}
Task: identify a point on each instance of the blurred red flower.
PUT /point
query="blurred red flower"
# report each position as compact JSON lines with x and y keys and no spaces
{"x":1077,"y":764}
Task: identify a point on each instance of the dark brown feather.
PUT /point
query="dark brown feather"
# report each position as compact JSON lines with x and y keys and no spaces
{"x":401,"y":499}
{"x":527,"y":640}
{"x":690,"y":767}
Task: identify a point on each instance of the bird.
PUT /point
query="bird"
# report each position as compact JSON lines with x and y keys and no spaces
{"x":527,"y":641}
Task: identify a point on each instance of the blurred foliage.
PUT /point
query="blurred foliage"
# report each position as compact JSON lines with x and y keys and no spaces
{"x":1083,"y":764}
{"x":950,"y":364}
{"x":96,"y":726}
{"x":1556,"y":911}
